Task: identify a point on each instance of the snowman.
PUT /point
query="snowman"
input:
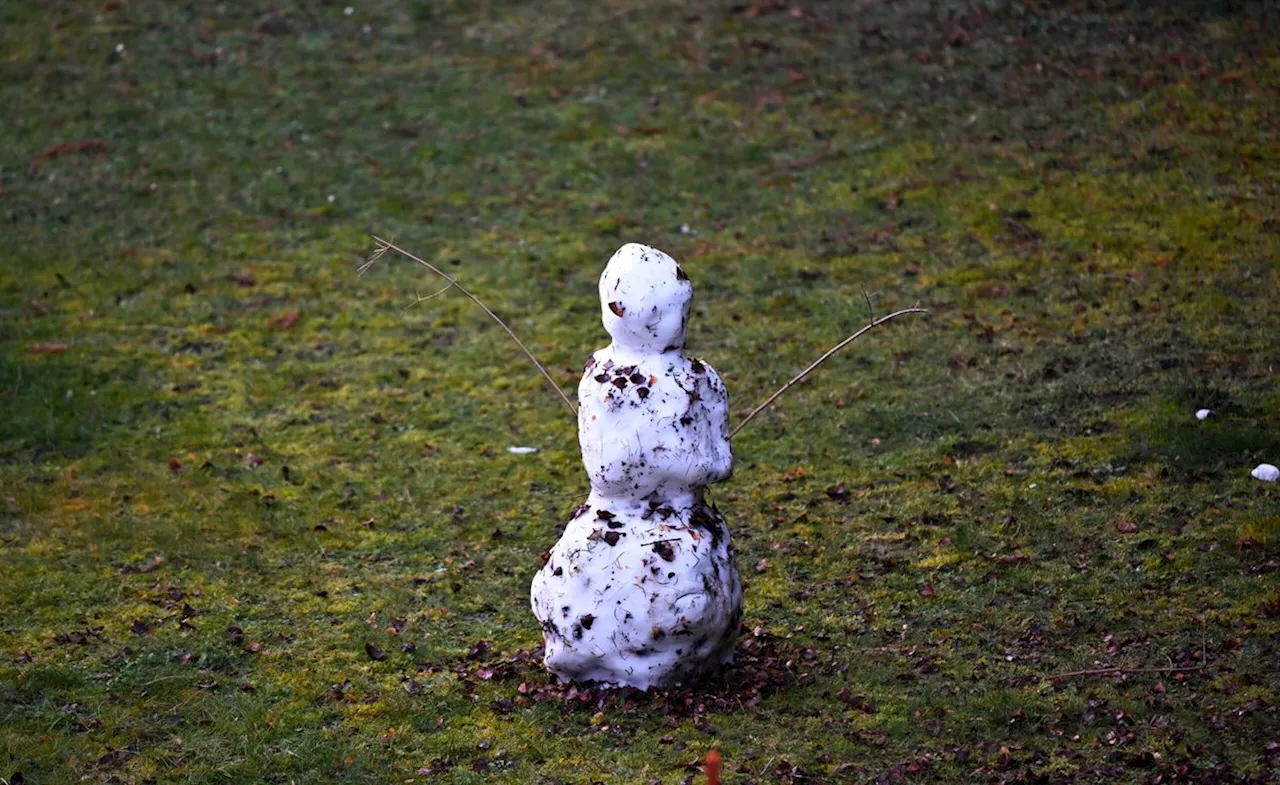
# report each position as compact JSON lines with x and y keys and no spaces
{"x":642,"y":590}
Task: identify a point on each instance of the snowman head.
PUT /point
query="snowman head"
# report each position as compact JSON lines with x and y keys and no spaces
{"x":644,"y":299}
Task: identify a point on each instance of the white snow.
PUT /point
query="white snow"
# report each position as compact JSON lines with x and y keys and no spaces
{"x":641,"y":589}
{"x":522,"y":450}
{"x":1204,"y":414}
{"x":1266,"y":472}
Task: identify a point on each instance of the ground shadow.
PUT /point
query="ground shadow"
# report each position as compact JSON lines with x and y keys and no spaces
{"x":59,"y":405}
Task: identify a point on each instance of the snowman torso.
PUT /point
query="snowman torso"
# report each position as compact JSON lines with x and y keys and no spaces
{"x":642,"y":589}
{"x":656,"y":427}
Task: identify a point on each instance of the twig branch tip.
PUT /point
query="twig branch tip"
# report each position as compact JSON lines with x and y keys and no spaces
{"x":800,"y":377}
{"x":384,"y":246}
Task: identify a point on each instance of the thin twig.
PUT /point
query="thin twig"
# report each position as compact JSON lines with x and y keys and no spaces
{"x":871,"y":312}
{"x":165,"y":678}
{"x":386,"y":245}
{"x":1116,"y":671}
{"x":874,"y":323}
{"x":420,"y":299}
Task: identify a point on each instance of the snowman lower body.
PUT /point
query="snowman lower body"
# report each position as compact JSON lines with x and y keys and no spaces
{"x":639,"y":594}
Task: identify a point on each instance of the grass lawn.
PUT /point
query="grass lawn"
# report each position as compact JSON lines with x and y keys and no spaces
{"x":258,"y":519}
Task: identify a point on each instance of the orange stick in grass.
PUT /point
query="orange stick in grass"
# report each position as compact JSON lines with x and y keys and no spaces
{"x":713,"y":767}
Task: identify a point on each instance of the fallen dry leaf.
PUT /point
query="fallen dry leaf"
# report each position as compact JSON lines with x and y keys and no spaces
{"x":49,"y":348}
{"x":77,"y":147}
{"x":285,"y":320}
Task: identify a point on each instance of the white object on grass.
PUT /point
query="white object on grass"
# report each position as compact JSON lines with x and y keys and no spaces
{"x":522,"y":450}
{"x":641,"y":589}
{"x":1266,"y":472}
{"x":1204,"y":414}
